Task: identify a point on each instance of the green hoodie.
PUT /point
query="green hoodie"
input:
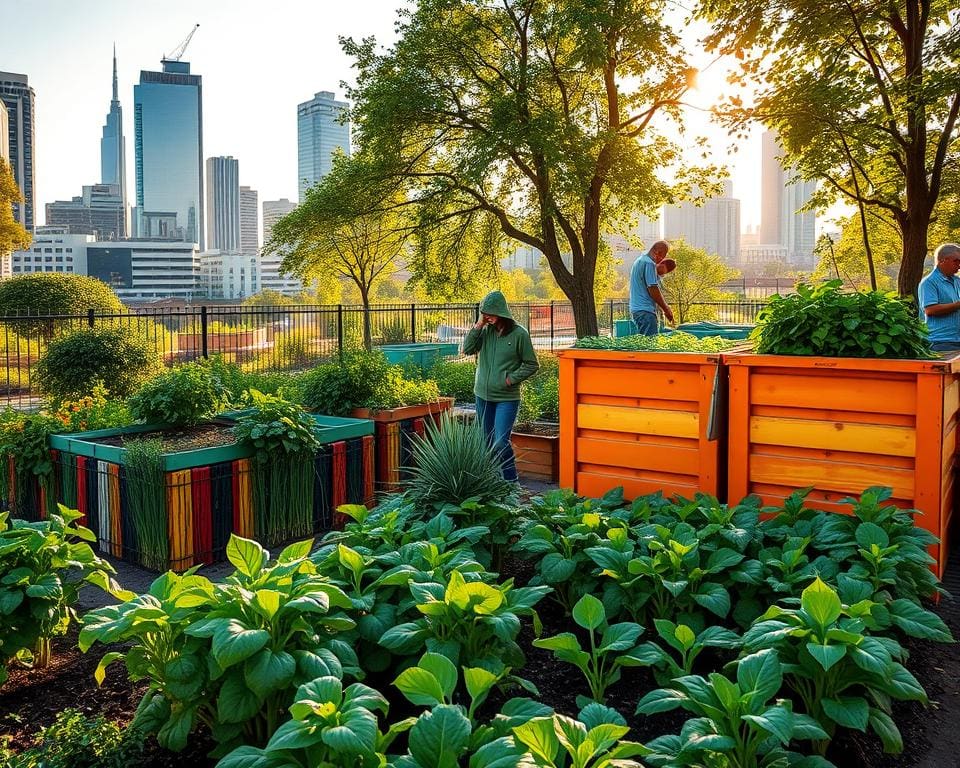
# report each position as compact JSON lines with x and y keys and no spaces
{"x":500,"y":357}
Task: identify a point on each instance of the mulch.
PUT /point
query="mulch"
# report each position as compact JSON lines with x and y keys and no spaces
{"x":211,"y":435}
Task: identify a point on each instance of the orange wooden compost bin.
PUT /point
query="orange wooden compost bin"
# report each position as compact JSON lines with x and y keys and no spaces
{"x":842,"y":425}
{"x":640,"y":420}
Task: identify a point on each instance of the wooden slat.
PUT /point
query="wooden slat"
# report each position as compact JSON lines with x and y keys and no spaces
{"x":951,"y":399}
{"x":646,"y":421}
{"x":637,"y":402}
{"x":646,"y":381}
{"x":836,"y":435}
{"x":822,"y":454}
{"x":634,"y":455}
{"x":663,"y":440}
{"x":852,"y":393}
{"x":825,"y":414}
{"x":835,"y":476}
{"x":597,"y":484}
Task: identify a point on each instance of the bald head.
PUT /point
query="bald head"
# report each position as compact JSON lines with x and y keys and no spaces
{"x":659,"y":250}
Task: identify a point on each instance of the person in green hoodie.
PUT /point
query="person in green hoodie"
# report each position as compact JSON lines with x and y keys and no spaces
{"x":505,"y":357}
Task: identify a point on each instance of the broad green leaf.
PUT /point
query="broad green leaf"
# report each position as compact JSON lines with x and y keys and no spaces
{"x":237,"y":702}
{"x":685,"y":636}
{"x":479,"y":681}
{"x":295,"y":734}
{"x":565,"y":641}
{"x":901,"y":684}
{"x":184,"y":676}
{"x":439,"y":737}
{"x":420,"y":686}
{"x":660,"y":700}
{"x":919,"y":622}
{"x":296,"y":551}
{"x":620,"y":637}
{"x":868,"y":534}
{"x":175,"y":731}
{"x":539,"y":737}
{"x":556,"y":569}
{"x":776,"y":720}
{"x":245,"y":555}
{"x":760,"y":674}
{"x":350,"y":558}
{"x":246,"y":757}
{"x":443,"y":669}
{"x":267,"y":601}
{"x":826,"y":655}
{"x":233,"y":642}
{"x":714,"y":597}
{"x":269,"y":670}
{"x":847,"y":711}
{"x":821,"y":603}
{"x":723,"y":559}
{"x":355,"y":735}
{"x":500,"y":753}
{"x":101,"y":671}
{"x":882,"y":724}
{"x":588,"y":612}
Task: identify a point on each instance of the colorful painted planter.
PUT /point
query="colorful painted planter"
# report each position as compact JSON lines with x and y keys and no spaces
{"x":395,"y":430}
{"x":201,"y":496}
{"x":842,"y":425}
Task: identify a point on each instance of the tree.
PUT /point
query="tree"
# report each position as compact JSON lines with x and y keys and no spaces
{"x":696,"y":280}
{"x":53,"y":293}
{"x":329,"y":236}
{"x":269,"y":298}
{"x":864,"y":95}
{"x":533,"y":118}
{"x":845,"y":258}
{"x":13,"y":237}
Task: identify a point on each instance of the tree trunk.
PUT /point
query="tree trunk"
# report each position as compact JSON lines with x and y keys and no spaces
{"x":367,"y":332}
{"x":914,"y":255}
{"x":584,"y":312}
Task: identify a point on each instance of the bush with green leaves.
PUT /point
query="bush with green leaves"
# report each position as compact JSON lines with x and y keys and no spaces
{"x":678,"y":341}
{"x":825,"y":320}
{"x":679,"y":650}
{"x":455,"y":378}
{"x":454,"y":462}
{"x":42,"y":567}
{"x":181,"y":397}
{"x":53,"y":293}
{"x":119,"y":357}
{"x":230,"y":654}
{"x":76,"y":741}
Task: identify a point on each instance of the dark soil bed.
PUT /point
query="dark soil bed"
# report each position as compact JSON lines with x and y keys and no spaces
{"x":210,"y":435}
{"x":539,"y":428}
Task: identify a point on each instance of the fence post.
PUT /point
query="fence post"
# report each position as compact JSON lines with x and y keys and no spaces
{"x":611,"y":317}
{"x":340,"y":331}
{"x":551,"y":325}
{"x":90,"y":317}
{"x":413,"y":323}
{"x":203,"y":332}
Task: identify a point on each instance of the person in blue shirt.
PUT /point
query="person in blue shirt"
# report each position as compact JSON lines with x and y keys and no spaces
{"x":939,"y":295}
{"x":645,"y":293}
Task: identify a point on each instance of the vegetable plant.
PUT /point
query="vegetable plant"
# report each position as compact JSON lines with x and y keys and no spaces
{"x":602,"y":662}
{"x":42,"y":567}
{"x":182,"y":396}
{"x":678,"y":341}
{"x":685,"y":645}
{"x":736,"y":723}
{"x":232,"y":654}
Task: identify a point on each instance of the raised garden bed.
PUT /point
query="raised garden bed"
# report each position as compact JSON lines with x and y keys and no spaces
{"x":537,"y":450}
{"x":840,"y":425}
{"x":422,"y":355}
{"x":201,"y":495}
{"x":394,"y":431}
{"x":648,"y":421}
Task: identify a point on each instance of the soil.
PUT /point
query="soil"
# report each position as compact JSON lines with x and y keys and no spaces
{"x":30,"y":700}
{"x":541,"y":428}
{"x":174,"y":439}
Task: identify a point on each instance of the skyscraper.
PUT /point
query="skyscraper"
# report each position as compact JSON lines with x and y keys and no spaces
{"x":249,"y":221}
{"x":113,"y":150}
{"x":783,"y":194}
{"x":713,"y":226}
{"x":271,"y":277}
{"x":223,"y":204}
{"x":4,"y":133}
{"x":319,"y":134}
{"x":18,"y":98}
{"x":168,"y":128}
{"x":99,"y":211}
{"x":273,"y":211}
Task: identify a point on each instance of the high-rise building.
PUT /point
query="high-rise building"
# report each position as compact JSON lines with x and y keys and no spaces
{"x":168,"y":134}
{"x":146,"y":269}
{"x":713,"y":226}
{"x":100,"y":211}
{"x":223,"y":203}
{"x":113,"y":150}
{"x":321,"y":131}
{"x":4,"y":132}
{"x":229,"y":275}
{"x":53,"y":249}
{"x":783,"y":194}
{"x":271,"y":277}
{"x":249,"y":221}
{"x":18,"y":98}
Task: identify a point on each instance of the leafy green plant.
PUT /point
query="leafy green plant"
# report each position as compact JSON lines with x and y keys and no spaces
{"x":231,"y":654}
{"x":454,"y":462}
{"x":824,"y":320}
{"x":454,"y":378}
{"x":75,"y":741}
{"x":28,"y":298}
{"x":285,"y":442}
{"x":95,"y":411}
{"x":686,"y":646}
{"x":395,"y":331}
{"x":42,"y":567}
{"x":118,"y":356}
{"x":843,"y":676}
{"x":182,"y":396}
{"x":736,"y":725}
{"x":678,"y":341}
{"x":146,"y":496}
{"x":601,"y":664}
{"x":24,"y":438}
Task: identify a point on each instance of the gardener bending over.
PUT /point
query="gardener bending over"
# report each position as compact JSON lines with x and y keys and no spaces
{"x":645,"y":292}
{"x":505,"y":357}
{"x":940,"y":299}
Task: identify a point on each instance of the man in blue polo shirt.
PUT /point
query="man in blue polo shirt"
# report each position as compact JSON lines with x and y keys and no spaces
{"x":645,"y":293}
{"x":940,"y":299}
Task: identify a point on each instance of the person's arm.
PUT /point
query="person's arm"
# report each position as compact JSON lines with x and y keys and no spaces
{"x":929,"y":297}
{"x":474,"y":339}
{"x":528,"y":365}
{"x":657,"y":296}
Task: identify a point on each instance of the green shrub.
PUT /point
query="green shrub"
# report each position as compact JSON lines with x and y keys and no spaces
{"x":182,"y":396}
{"x":454,"y":378}
{"x":118,"y":357}
{"x":825,"y":321}
{"x":53,"y":293}
{"x":74,"y":741}
{"x":540,"y":395}
{"x":394,"y":331}
{"x":291,"y":349}
{"x":678,"y":341}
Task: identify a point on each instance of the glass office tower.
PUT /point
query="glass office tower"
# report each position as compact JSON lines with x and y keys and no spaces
{"x":168,"y":128}
{"x":320,"y":133}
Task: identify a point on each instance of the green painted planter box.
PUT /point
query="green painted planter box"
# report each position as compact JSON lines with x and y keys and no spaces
{"x":624,"y":328}
{"x":422,"y":355}
{"x":724,"y":330}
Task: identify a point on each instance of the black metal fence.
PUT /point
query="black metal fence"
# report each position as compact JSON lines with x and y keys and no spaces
{"x":292,"y":338}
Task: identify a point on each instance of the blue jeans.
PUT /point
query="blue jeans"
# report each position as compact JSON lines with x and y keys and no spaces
{"x":496,"y":419}
{"x":945,"y":346}
{"x":646,"y":323}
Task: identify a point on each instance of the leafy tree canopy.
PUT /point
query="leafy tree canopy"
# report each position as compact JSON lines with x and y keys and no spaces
{"x":54,"y":293}
{"x":13,"y":237}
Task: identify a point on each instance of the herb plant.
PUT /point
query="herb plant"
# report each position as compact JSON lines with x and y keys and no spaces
{"x":183,"y":396}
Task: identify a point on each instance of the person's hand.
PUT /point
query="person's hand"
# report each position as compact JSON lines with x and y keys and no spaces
{"x":480,"y":323}
{"x":668,"y":314}
{"x":509,"y":383}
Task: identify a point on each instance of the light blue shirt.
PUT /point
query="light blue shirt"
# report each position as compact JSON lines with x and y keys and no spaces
{"x":643,"y":274}
{"x":937,"y":288}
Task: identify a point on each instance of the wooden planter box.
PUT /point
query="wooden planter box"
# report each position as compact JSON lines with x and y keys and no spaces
{"x":223,"y":342}
{"x":537,"y":455}
{"x":206,"y":494}
{"x":842,"y":425}
{"x":643,"y":420}
{"x":394,"y":432}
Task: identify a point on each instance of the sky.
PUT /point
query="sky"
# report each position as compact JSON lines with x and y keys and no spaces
{"x":258,"y":61}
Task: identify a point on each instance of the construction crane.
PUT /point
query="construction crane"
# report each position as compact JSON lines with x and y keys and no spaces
{"x":178,"y":52}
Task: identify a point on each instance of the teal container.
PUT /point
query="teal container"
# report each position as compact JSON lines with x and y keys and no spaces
{"x":422,"y":355}
{"x":723,"y":330}
{"x":624,"y":328}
